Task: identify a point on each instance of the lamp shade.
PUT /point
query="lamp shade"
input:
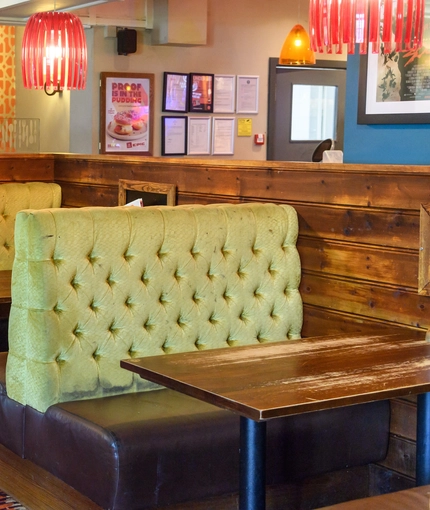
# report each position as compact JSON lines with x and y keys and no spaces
{"x":297,"y":48}
{"x":54,"y":52}
{"x":390,"y":25}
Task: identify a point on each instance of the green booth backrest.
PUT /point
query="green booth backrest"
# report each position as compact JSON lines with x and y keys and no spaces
{"x":15,"y":197}
{"x":95,"y":285}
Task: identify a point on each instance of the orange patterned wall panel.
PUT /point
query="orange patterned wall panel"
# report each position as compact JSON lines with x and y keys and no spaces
{"x":7,"y":71}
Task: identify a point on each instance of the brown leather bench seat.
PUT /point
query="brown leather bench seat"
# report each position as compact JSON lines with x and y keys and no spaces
{"x":160,"y":448}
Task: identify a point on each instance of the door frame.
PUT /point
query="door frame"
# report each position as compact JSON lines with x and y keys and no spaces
{"x":271,"y":109}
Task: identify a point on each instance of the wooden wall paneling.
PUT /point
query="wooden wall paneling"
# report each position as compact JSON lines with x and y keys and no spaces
{"x":367,"y":262}
{"x":24,"y":168}
{"x":403,"y":419}
{"x":399,"y":229}
{"x":401,"y":456}
{"x":396,"y":191}
{"x":367,"y":300}
{"x":324,"y":321}
{"x":424,"y":253}
{"x":84,"y":195}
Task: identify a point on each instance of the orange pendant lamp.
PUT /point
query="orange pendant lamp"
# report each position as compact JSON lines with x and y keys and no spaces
{"x":384,"y":24}
{"x":297,"y":48}
{"x":54,"y":52}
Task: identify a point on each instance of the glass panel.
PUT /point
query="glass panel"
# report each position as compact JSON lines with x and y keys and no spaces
{"x":313,"y":112}
{"x":19,"y":135}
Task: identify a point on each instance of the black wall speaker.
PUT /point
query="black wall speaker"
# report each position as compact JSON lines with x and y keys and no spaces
{"x":127,"y":41}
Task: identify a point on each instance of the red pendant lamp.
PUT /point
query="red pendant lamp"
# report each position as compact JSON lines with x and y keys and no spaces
{"x":398,"y":25}
{"x":54,"y":52}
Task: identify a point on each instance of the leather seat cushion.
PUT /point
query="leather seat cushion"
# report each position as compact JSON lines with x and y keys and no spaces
{"x":159,"y":448}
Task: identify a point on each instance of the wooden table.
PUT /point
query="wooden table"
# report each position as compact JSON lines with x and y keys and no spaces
{"x":271,"y":380}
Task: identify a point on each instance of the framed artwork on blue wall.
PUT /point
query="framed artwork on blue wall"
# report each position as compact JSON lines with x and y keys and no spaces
{"x":394,"y":88}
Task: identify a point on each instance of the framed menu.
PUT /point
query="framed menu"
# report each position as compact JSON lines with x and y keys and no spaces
{"x":174,"y":136}
{"x":199,"y":135}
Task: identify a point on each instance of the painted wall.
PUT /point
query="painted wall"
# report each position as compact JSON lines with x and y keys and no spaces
{"x":53,"y":112}
{"x":407,"y":144}
{"x":242,"y":35}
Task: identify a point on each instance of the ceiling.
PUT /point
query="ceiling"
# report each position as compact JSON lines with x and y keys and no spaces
{"x":130,"y":13}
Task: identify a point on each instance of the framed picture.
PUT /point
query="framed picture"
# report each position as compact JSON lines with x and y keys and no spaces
{"x":175,"y":92}
{"x":199,"y":135}
{"x":223,"y":135}
{"x":247,"y":94}
{"x":201,"y":89}
{"x":143,"y":193}
{"x":173,"y":136}
{"x":224,"y":93}
{"x":394,"y":88}
{"x":126,"y":113}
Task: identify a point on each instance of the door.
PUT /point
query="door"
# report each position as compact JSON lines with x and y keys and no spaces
{"x":306,"y":106}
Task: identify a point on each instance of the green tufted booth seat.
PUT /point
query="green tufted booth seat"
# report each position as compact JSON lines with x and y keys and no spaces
{"x":93,"y":286}
{"x":15,"y":197}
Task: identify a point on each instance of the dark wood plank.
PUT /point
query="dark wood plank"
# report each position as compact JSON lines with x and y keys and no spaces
{"x":399,"y":229}
{"x":26,"y":167}
{"x":324,"y":321}
{"x":370,"y":263}
{"x":281,"y":378}
{"x":403,"y":421}
{"x":376,"y":301}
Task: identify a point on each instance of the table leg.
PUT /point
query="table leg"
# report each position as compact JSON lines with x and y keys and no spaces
{"x":423,"y":439}
{"x":252,"y":489}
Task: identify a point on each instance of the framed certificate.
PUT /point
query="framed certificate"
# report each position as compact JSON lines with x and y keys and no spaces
{"x":247,"y":94}
{"x":175,"y":92}
{"x":224,"y":93}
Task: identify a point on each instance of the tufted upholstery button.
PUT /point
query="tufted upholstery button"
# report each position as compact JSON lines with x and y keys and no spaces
{"x":177,"y":275}
{"x":60,"y":360}
{"x":74,"y":283}
{"x":92,"y":258}
{"x":194,"y":252}
{"x":6,"y":245}
{"x":227,"y":298}
{"x":145,"y":279}
{"x":213,"y":320}
{"x":113,"y":328}
{"x":57,"y":308}
{"x":96,"y":356}
{"x":128,"y":257}
{"x":129,"y":302}
{"x":77,"y":331}
{"x":93,"y":306}
{"x":110,"y":280}
{"x":147,"y":326}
